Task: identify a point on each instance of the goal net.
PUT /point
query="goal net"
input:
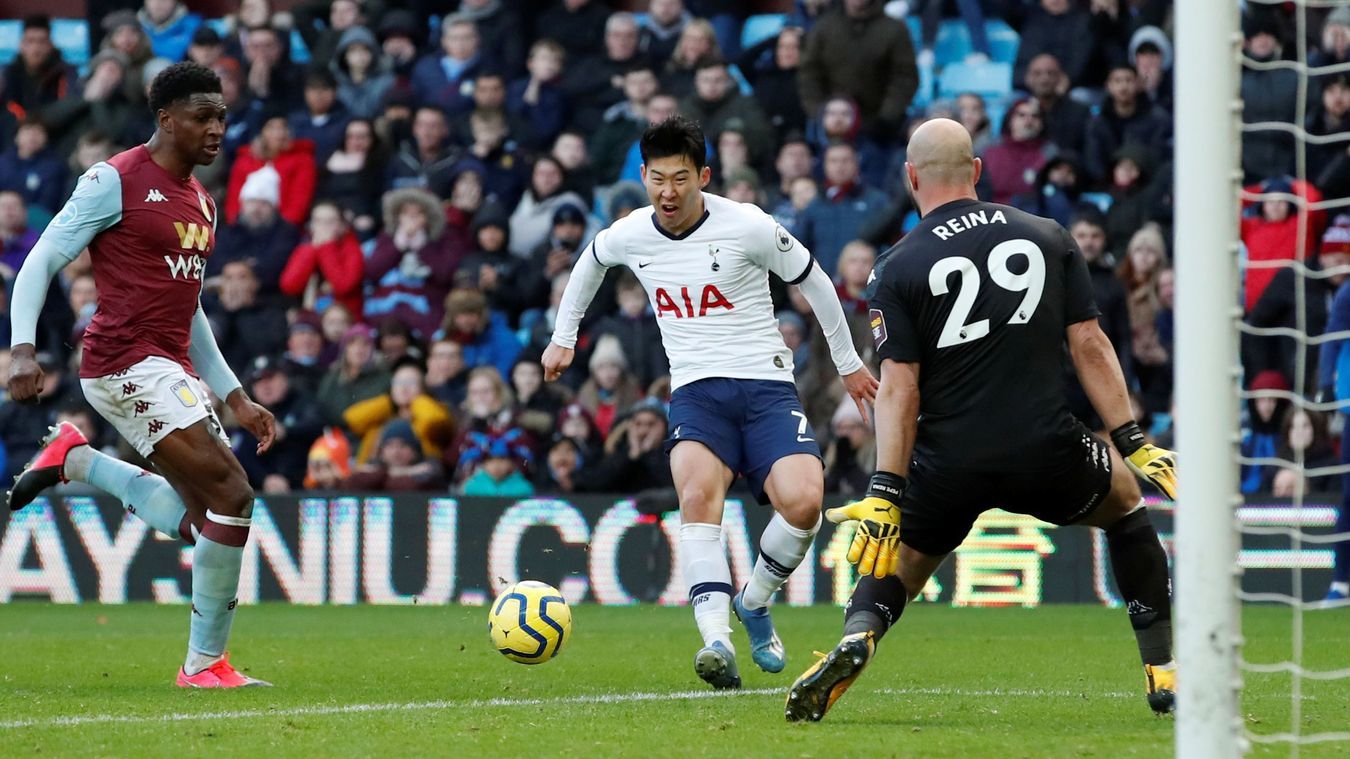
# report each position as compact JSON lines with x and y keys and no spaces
{"x":1256,"y":151}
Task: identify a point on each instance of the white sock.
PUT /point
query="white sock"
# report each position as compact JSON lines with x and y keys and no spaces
{"x":78,"y":459}
{"x":197,"y":662}
{"x":781,"y":549}
{"x":1343,"y":587}
{"x":704,"y":563}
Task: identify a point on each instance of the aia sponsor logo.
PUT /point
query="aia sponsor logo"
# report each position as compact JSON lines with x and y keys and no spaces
{"x":710,"y":299}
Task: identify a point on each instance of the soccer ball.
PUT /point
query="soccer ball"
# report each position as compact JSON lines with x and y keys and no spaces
{"x":529,"y":622}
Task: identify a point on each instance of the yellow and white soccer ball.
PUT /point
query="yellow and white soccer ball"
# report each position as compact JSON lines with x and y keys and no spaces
{"x":529,"y":622}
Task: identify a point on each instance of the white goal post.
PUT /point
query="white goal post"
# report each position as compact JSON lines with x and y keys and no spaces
{"x":1208,"y":113}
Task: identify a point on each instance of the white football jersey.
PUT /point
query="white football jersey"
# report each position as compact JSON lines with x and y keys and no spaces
{"x":709,"y":287}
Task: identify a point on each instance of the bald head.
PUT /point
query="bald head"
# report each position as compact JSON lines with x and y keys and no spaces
{"x":941,"y":153}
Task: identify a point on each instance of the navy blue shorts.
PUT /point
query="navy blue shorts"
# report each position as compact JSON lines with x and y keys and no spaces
{"x":748,"y":424}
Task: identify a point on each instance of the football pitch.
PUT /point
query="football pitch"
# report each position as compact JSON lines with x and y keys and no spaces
{"x":424,"y":681}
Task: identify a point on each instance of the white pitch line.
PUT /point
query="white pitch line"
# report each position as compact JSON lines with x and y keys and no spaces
{"x":603,"y":698}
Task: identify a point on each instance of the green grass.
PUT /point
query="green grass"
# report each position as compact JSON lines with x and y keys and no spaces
{"x":1055,"y":681}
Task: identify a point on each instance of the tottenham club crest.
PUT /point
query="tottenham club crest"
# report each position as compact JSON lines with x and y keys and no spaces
{"x":713,"y":250}
{"x":782,"y":239}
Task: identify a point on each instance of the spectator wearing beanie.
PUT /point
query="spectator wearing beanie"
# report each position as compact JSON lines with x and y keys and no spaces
{"x":492,"y":466}
{"x":330,"y":462}
{"x":124,"y":34}
{"x":634,"y":459}
{"x":490,"y":268}
{"x":400,"y":464}
{"x":303,"y":359}
{"x":354,"y":376}
{"x":611,"y":388}
{"x":1264,"y":417}
{"x":412,"y":267}
{"x":406,"y":398}
{"x":259,"y":234}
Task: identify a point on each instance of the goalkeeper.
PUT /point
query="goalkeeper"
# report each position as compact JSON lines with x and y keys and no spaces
{"x":970,"y":314}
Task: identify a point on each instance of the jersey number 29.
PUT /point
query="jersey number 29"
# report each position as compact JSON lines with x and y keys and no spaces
{"x":1032,"y":281}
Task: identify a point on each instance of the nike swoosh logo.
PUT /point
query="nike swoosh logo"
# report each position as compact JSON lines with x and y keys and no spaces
{"x":644,"y":264}
{"x":805,"y":439}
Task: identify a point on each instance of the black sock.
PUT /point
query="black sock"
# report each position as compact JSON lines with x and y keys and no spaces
{"x":1140,"y":567}
{"x":875,"y":605}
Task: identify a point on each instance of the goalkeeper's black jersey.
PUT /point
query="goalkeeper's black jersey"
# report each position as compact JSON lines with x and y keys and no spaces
{"x":979,"y":294}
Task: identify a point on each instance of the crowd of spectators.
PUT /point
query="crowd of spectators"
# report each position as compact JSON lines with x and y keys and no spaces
{"x":402,"y":210}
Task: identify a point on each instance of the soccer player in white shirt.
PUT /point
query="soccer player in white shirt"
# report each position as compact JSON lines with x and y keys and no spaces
{"x":705,"y":262}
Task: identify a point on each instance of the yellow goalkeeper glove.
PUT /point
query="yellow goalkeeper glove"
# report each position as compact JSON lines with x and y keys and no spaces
{"x":1157,"y":465}
{"x":876,"y":544}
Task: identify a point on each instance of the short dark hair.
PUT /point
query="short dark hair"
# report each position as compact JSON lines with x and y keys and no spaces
{"x":180,"y":82}
{"x":319,"y":77}
{"x":676,"y":136}
{"x":38,"y":21}
{"x":1090,"y":215}
{"x":710,"y":62}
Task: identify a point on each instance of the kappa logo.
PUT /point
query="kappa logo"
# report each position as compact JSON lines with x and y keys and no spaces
{"x":129,"y":388}
{"x":140,"y":407}
{"x":155,"y":426}
{"x":155,"y":196}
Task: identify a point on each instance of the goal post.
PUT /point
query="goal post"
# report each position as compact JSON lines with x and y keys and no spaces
{"x":1208,"y":628}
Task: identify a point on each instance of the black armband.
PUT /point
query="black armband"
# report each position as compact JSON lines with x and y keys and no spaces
{"x":1127,"y":438}
{"x":887,"y":486}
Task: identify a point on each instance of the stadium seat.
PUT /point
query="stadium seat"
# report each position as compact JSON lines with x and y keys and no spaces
{"x":11,"y":31}
{"x":953,"y":43}
{"x":992,"y":80}
{"x":71,"y":37}
{"x":915,"y":32}
{"x":1003,"y":41}
{"x":996,"y":109}
{"x":760,"y":28}
{"x":737,"y":76}
{"x":299,"y":50}
{"x":924,"y":95}
{"x":1100,"y":199}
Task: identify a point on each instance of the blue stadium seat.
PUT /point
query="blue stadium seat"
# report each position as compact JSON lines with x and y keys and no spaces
{"x":992,"y":79}
{"x":996,"y":109}
{"x":1003,"y":41}
{"x":915,"y":32}
{"x":299,"y":50}
{"x":737,"y":76}
{"x":924,"y":95}
{"x":11,"y":31}
{"x":760,"y":28}
{"x":1100,"y":199}
{"x":71,"y":37}
{"x":953,"y":43}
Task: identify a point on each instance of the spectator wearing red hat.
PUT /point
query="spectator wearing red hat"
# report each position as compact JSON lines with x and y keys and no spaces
{"x":330,"y":461}
{"x":1263,"y":435}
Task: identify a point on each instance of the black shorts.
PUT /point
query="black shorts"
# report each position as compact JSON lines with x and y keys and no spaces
{"x":941,"y":505}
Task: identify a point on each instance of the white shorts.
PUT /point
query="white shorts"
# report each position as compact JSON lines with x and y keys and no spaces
{"x":150,"y":399}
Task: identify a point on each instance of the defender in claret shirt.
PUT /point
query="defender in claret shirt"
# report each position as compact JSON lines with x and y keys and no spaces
{"x":150,"y":226}
{"x":970,"y":314}
{"x":705,"y":262}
